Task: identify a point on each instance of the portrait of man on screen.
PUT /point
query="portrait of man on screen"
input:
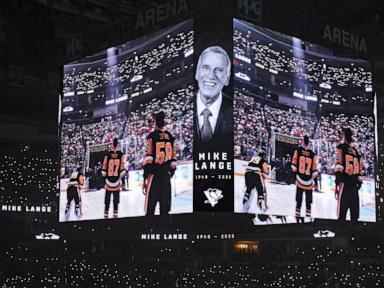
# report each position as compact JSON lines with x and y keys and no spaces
{"x":213,"y":119}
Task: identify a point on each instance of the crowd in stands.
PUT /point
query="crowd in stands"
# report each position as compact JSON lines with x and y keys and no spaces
{"x":255,"y":122}
{"x":179,"y":123}
{"x":129,"y":71}
{"x":310,"y":265}
{"x":279,"y":68}
{"x":250,"y":133}
{"x":306,"y":267}
{"x":288,"y":122}
{"x":269,"y":54}
{"x":23,"y":172}
{"x":381,"y":162}
{"x":139,"y":62}
{"x":76,"y":137}
{"x":330,"y":131}
{"x":135,"y":127}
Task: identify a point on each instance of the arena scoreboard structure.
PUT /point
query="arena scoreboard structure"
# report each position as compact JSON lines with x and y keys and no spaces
{"x":254,"y":122}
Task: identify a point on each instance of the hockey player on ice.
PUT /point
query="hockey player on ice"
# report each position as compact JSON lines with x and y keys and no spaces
{"x":256,"y":172}
{"x":75,"y":184}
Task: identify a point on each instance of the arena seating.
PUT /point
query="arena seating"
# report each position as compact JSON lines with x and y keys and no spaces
{"x":76,"y":135}
{"x":250,"y":131}
{"x":309,"y":265}
{"x":327,"y":83}
{"x":85,"y":77}
{"x":330,"y":132}
{"x":22,"y":172}
{"x":267,"y":53}
{"x":254,"y":123}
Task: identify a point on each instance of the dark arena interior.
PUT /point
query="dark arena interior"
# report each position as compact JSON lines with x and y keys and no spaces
{"x":74,"y":75}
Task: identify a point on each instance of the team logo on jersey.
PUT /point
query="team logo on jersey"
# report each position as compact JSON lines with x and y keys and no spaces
{"x":213,"y":195}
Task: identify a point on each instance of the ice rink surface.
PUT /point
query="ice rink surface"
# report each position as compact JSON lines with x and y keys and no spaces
{"x":132,"y":201}
{"x":131,"y":204}
{"x":281,"y":200}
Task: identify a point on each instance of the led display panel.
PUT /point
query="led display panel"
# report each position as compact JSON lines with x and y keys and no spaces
{"x":286,"y":90}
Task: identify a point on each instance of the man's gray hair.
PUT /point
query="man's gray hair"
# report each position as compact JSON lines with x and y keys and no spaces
{"x":219,"y":50}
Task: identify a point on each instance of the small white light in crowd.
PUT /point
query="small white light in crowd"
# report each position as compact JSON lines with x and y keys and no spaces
{"x":136,"y":78}
{"x":68,"y":109}
{"x":188,"y":53}
{"x":325,"y":85}
{"x":147,"y":90}
{"x":273,"y":71}
{"x":324,"y":234}
{"x":243,"y":58}
{"x":109,"y":102}
{"x":242,"y":76}
{"x":47,"y":236}
{"x":259,"y":65}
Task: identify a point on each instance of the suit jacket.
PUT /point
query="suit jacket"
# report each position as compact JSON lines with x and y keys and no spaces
{"x":222,"y":138}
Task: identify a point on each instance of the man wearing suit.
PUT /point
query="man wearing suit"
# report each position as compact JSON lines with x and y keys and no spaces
{"x":213,"y":120}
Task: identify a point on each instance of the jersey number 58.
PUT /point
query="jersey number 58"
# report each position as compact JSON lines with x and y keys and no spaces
{"x":164,"y":151}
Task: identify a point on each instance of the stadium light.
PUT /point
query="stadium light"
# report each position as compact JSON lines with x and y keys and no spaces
{"x":368,"y":89}
{"x":72,"y":93}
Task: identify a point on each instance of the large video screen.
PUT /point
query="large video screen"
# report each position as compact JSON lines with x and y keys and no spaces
{"x":114,"y":95}
{"x":286,"y":89}
{"x":254,"y":122}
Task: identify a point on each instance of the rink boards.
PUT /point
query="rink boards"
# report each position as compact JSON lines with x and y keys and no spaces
{"x":132,"y":201}
{"x":281,"y":197}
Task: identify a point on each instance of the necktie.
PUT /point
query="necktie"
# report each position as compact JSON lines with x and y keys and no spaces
{"x":206,"y":130}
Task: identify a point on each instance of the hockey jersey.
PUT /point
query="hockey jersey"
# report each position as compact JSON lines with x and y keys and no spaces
{"x":259,"y":166}
{"x":76,"y":179}
{"x":113,"y":170}
{"x":160,"y":155}
{"x":305,"y":167}
{"x":348,"y":165}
